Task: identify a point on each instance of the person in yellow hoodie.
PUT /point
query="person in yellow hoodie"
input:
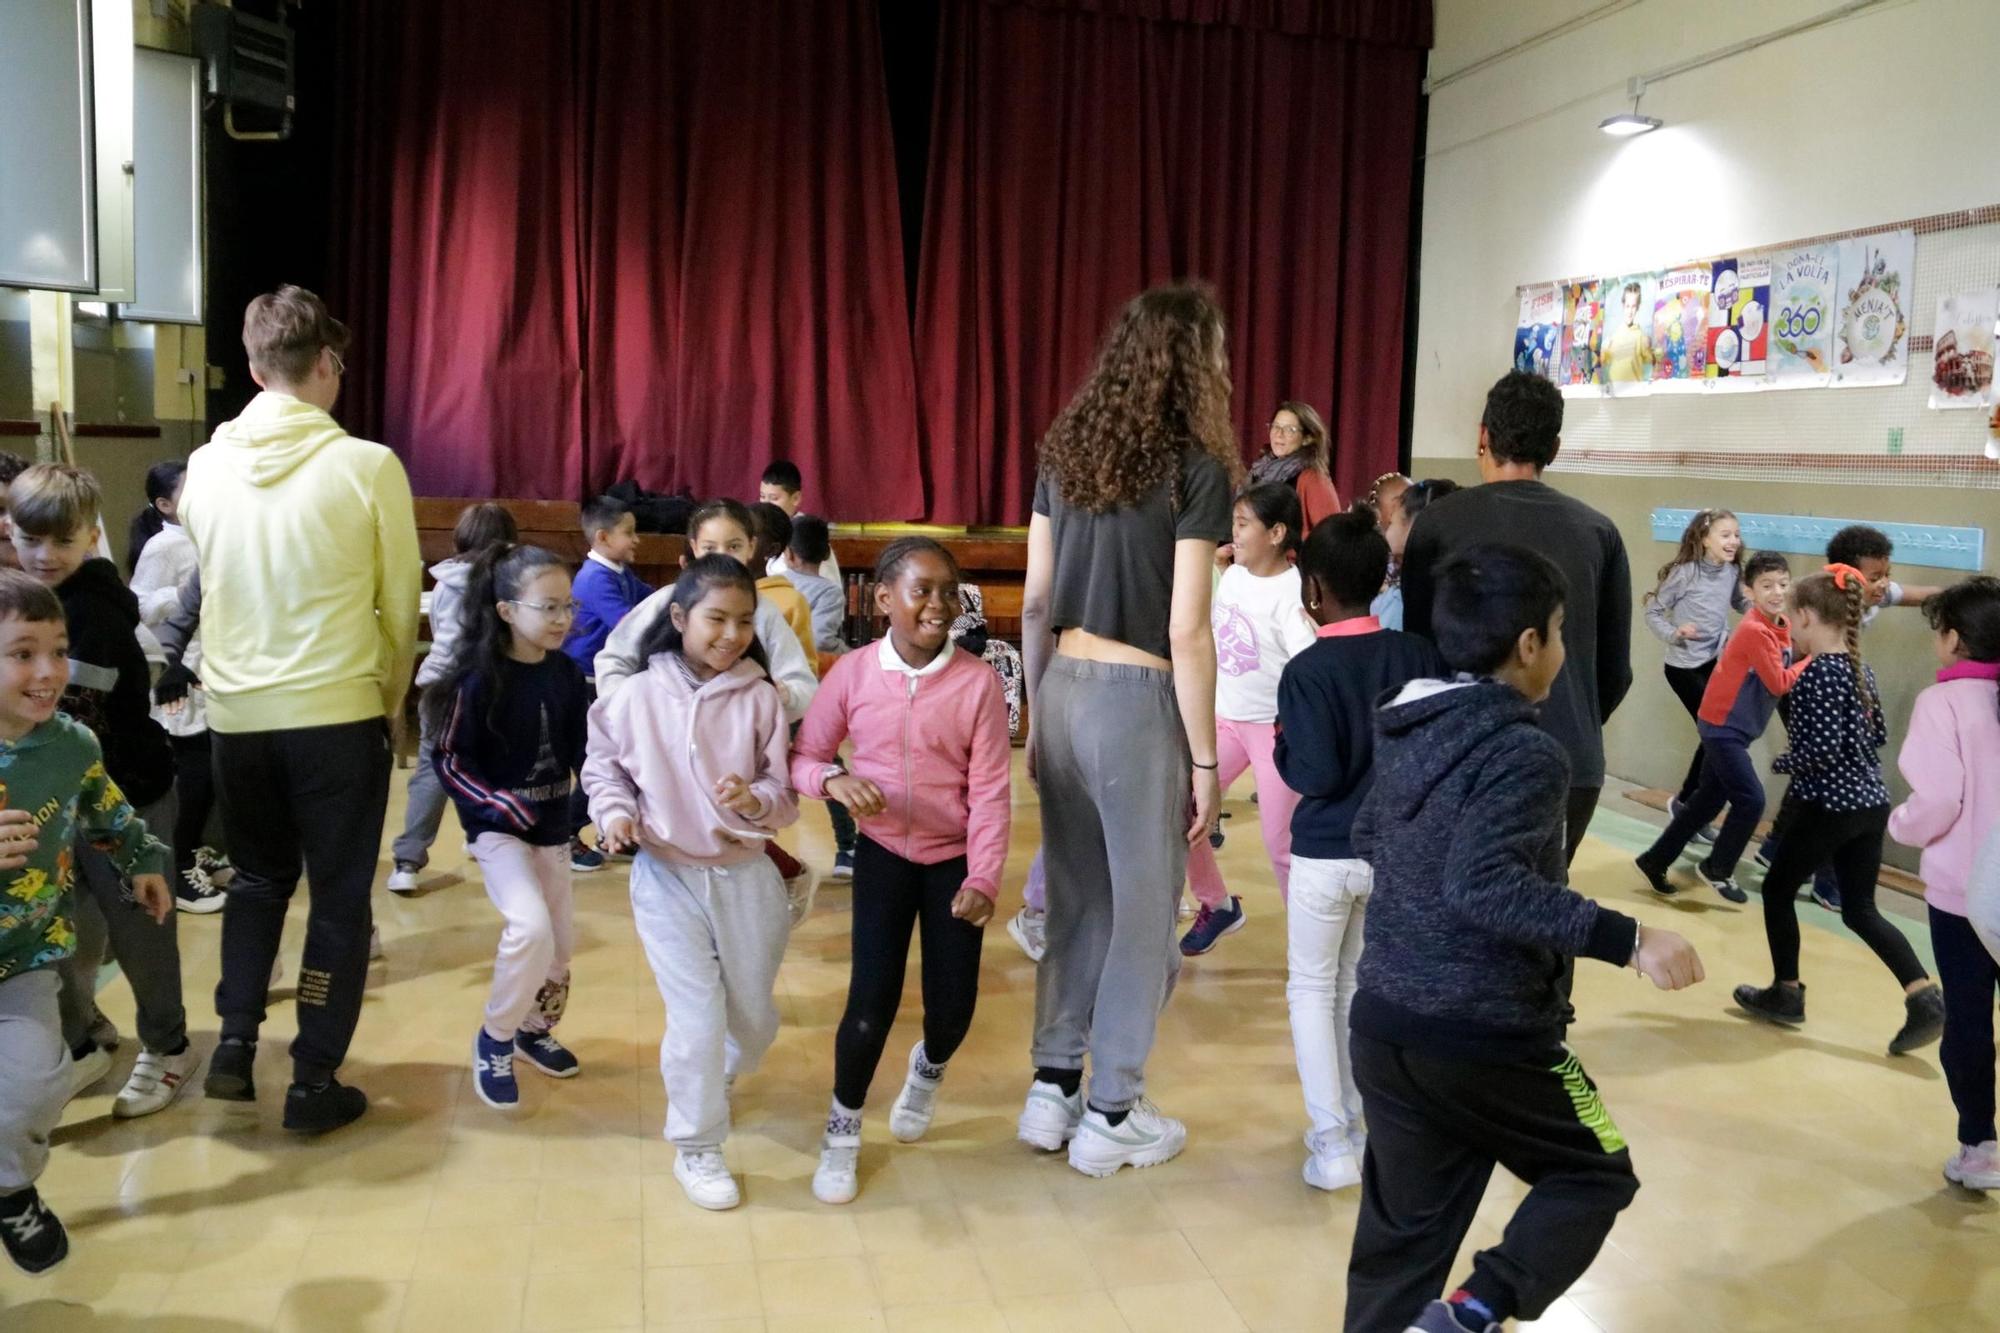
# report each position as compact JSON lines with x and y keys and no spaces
{"x":310,"y":578}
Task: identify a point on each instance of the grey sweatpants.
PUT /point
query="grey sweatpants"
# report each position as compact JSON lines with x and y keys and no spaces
{"x":426,"y":803}
{"x":1112,"y":761}
{"x":714,"y":936}
{"x":34,"y":1076}
{"x":108,"y":922}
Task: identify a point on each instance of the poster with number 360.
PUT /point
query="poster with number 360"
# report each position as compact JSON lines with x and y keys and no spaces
{"x":1802,"y":313}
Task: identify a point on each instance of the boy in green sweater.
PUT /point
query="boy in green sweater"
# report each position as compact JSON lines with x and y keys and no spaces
{"x":51,"y":767}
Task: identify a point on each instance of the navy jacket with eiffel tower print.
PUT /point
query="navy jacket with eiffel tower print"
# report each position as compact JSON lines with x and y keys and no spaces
{"x":508,"y":747}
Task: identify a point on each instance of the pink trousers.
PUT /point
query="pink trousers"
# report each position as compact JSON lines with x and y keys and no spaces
{"x":1251,"y":745}
{"x":531,"y":887}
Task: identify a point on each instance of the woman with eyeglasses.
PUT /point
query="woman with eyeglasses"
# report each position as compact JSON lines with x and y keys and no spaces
{"x":1299,"y":455}
{"x":509,"y":716}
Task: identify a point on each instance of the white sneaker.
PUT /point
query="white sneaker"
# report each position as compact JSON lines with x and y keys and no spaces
{"x":403,"y":879}
{"x":1145,"y":1138}
{"x":197,"y":894}
{"x":836,"y":1180}
{"x":1332,"y":1168}
{"x":915,"y":1104}
{"x":1030,"y":930}
{"x":799,"y":891}
{"x":156,"y":1080}
{"x":706,"y":1179}
{"x":1975,"y":1166}
{"x":1049,"y":1119}
{"x":375,"y":944}
{"x":86,"y":1073}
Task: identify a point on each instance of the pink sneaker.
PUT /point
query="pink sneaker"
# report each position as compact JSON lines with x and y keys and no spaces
{"x":1975,"y":1166}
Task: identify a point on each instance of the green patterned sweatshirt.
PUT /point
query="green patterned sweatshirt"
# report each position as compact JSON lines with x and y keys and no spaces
{"x":57,"y":772}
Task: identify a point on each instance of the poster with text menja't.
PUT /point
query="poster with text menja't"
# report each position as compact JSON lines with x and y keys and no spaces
{"x":1871,"y":334}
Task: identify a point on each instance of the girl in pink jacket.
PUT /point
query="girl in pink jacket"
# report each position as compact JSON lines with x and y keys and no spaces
{"x":687,"y":766}
{"x":1953,"y":810}
{"x":928,"y":786}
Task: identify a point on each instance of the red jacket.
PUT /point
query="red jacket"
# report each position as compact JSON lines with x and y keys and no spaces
{"x":1750,"y":676}
{"x":1317,"y":498}
{"x":934,"y":741}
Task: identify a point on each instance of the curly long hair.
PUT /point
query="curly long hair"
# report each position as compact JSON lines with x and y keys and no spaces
{"x":1160,"y":387}
{"x":1691,"y":549}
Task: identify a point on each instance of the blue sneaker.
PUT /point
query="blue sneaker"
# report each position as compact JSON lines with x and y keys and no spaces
{"x":583,"y":858}
{"x":543,"y":1052}
{"x":1826,"y":891}
{"x":1210,"y":925}
{"x":843,"y":867}
{"x":493,"y":1072}
{"x":1440,"y":1317}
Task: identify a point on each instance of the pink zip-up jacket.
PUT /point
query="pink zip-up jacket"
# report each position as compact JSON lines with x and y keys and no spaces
{"x":935,"y":742}
{"x":1954,"y":795}
{"x":659,"y":745}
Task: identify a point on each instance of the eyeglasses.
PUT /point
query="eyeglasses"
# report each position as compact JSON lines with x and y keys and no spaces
{"x":339,"y":365}
{"x":1276,"y":429}
{"x":553,"y":610}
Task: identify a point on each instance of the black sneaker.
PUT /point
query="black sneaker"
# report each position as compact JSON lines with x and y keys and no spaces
{"x":229,"y":1071}
{"x":315,"y":1110}
{"x":1656,"y":877}
{"x":1923,"y":1021}
{"x":34,"y":1236}
{"x":1774,"y":1003}
{"x":1722,"y":884}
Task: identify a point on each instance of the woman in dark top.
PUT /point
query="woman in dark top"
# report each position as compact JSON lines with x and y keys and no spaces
{"x":1132,"y":500}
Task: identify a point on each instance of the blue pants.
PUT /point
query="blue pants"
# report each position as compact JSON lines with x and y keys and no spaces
{"x":1728,"y":777}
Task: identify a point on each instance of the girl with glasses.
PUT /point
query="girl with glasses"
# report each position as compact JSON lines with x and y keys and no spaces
{"x":509,"y":715}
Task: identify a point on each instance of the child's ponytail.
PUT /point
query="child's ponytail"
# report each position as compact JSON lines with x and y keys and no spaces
{"x":498,"y":574}
{"x":1971,"y":609}
{"x":701,"y":577}
{"x":1846,"y":608}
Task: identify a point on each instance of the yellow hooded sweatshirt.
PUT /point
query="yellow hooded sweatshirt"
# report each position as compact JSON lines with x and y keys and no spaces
{"x":309,"y":570}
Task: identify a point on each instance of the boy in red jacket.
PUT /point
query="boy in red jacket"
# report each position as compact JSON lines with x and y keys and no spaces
{"x":1754,"y":672}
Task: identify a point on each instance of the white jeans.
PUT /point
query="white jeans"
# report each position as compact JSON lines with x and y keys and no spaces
{"x":714,"y":936}
{"x":530,"y":885}
{"x":1328,"y":906}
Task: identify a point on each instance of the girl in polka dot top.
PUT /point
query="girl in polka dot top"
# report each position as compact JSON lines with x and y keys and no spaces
{"x":1841,"y":809}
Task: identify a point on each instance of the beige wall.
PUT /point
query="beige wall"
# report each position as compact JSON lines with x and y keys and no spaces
{"x":1816,"y":133}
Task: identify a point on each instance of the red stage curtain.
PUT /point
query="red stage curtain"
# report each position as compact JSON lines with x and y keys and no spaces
{"x":744,"y":262}
{"x":458,"y":245}
{"x":591,"y":241}
{"x":1079,"y":154}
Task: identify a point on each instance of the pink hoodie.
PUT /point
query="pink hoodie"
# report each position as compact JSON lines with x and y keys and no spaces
{"x":1954,"y":795}
{"x":934,"y":741}
{"x":659,"y":745}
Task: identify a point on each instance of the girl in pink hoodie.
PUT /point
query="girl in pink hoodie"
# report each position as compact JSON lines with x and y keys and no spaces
{"x":687,"y":766}
{"x":1953,"y":810}
{"x":929,"y":787}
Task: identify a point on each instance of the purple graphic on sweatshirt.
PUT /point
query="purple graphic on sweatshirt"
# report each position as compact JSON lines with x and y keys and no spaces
{"x":1235,"y":642}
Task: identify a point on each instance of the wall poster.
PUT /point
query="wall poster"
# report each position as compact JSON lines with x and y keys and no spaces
{"x":1680,"y":325}
{"x":1538,"y":333}
{"x":1802,"y":313}
{"x":1872,"y":345}
{"x":1583,"y":337}
{"x":1962,"y":349}
{"x":1628,"y":334}
{"x":1739,"y":330}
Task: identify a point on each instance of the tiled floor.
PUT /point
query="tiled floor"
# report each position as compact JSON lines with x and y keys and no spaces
{"x":1791,"y":1180}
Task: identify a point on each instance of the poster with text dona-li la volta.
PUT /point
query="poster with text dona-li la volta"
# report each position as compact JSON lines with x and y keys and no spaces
{"x":1802,"y":315}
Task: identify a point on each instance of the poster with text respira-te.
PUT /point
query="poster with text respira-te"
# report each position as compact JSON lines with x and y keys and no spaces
{"x":1582,"y":369}
{"x":1871,"y":332}
{"x":1739,"y":327}
{"x":1680,"y":329}
{"x":1629,"y":355}
{"x":1538,"y":331}
{"x":1802,"y":316}
{"x":1962,"y":349}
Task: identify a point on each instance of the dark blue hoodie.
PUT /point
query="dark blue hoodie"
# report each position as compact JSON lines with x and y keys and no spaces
{"x":1471,"y":922}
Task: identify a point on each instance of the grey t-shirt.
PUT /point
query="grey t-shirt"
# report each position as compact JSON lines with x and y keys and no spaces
{"x":1114,"y":573}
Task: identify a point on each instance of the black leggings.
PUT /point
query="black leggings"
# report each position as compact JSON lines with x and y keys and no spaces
{"x":1688,"y":685}
{"x":1851,"y":842}
{"x":194,"y":779}
{"x":891,"y":896}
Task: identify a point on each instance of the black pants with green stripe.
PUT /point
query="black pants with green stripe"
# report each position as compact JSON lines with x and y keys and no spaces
{"x":1436,"y":1129}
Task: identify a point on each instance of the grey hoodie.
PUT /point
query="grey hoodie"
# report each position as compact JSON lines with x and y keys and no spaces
{"x":446,"y":621}
{"x":1471,"y":922}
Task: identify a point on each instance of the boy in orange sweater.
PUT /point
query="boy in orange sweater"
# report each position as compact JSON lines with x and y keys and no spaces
{"x":1754,"y":672}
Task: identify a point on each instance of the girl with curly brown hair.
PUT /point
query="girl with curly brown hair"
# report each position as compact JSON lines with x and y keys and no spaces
{"x":1132,"y":500}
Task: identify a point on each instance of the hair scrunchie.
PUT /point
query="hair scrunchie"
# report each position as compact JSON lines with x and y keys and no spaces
{"x":1842,"y":573}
